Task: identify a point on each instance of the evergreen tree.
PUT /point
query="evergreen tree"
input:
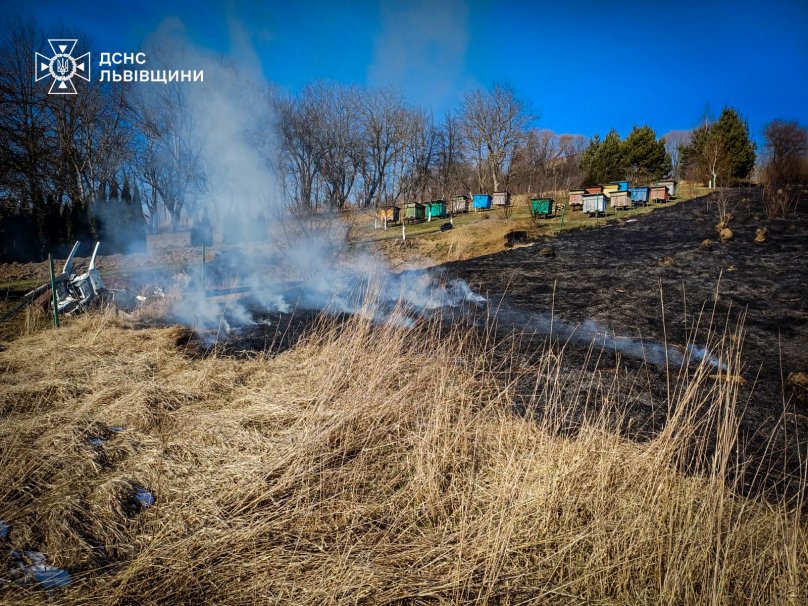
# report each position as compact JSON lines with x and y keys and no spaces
{"x":611,"y":158}
{"x":740,"y":149}
{"x":720,"y":153}
{"x":589,"y":160}
{"x":602,"y":161}
{"x":645,"y":157}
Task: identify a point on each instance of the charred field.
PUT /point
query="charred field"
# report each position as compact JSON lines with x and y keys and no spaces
{"x":666,"y":278}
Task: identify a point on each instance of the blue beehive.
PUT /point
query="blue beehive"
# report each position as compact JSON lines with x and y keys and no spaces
{"x":622,"y":185}
{"x":482,"y":202}
{"x":639,"y":195}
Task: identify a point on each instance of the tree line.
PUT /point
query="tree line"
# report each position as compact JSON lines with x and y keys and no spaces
{"x":116,"y":161}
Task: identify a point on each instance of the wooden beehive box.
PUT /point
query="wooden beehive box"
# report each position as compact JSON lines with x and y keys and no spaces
{"x":391,"y":213}
{"x":576,"y":197}
{"x":620,"y":199}
{"x":460,"y":204}
{"x":594,"y":204}
{"x":659,"y":193}
{"x":501,"y":198}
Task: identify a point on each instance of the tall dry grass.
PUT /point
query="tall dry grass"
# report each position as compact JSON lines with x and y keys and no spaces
{"x":367,"y":465}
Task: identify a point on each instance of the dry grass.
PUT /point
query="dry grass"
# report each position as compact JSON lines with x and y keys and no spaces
{"x":364,"y":466}
{"x":483,"y":233}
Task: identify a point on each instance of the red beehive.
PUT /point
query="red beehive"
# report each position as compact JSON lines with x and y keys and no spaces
{"x":659,"y":193}
{"x":576,"y":197}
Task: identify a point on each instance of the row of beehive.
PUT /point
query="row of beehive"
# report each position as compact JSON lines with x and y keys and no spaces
{"x":620,"y":195}
{"x":416,"y":212}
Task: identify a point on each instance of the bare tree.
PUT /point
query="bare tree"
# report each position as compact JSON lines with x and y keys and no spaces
{"x":786,"y":153}
{"x":27,"y":155}
{"x":675,"y":140}
{"x":301,"y":124}
{"x":547,"y":162}
{"x":171,"y":161}
{"x":715,"y":158}
{"x":340,"y":142}
{"x":571,"y":146}
{"x":385,"y":126}
{"x":494,"y":122}
{"x":56,"y":150}
{"x":422,"y":148}
{"x":450,"y":161}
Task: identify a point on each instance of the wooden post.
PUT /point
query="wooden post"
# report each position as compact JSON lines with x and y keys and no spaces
{"x":54,"y":298}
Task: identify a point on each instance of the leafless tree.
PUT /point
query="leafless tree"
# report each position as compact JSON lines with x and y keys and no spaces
{"x":57,"y":150}
{"x":450,"y":160}
{"x":494,"y":122}
{"x":422,"y":148}
{"x":385,"y":127}
{"x":675,"y":140}
{"x":715,"y":158}
{"x":301,"y":123}
{"x":572,"y":146}
{"x":547,"y":162}
{"x":340,"y":142}
{"x":171,"y":158}
{"x":27,"y":153}
{"x":786,"y":153}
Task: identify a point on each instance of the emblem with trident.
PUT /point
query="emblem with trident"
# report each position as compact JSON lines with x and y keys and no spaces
{"x":62,"y":66}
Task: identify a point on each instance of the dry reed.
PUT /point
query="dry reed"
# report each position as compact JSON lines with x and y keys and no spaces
{"x":366,"y":465}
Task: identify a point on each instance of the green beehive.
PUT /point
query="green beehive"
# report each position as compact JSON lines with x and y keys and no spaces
{"x":542,"y":207}
{"x":414,"y":212}
{"x":435,"y":209}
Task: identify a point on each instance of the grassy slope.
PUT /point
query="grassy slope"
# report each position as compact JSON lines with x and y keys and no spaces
{"x":365,"y":466}
{"x":483,"y":233}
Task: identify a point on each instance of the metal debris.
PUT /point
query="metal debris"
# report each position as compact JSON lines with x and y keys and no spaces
{"x":77,"y":292}
{"x":74,"y":292}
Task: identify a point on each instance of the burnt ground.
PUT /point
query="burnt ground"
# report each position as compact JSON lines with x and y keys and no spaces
{"x":620,"y":274}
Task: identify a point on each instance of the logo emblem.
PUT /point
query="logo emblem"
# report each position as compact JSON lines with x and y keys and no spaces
{"x":62,"y":66}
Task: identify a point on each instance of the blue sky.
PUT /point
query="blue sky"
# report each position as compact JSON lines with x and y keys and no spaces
{"x":584,"y":66}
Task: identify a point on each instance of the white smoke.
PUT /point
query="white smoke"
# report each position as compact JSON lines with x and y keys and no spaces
{"x":590,"y":332}
{"x":296,"y":261}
